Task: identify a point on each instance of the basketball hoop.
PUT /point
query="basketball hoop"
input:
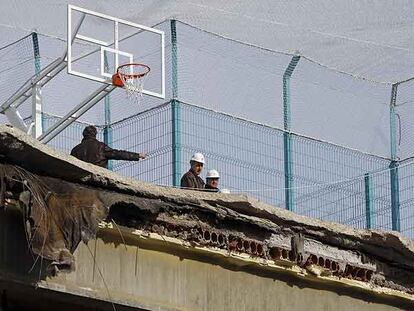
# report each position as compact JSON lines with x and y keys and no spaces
{"x":131,"y":77}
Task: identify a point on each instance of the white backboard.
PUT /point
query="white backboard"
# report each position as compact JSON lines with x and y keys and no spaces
{"x":97,"y":44}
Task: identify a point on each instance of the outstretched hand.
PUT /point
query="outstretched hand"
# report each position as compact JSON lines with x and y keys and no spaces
{"x":143,"y":156}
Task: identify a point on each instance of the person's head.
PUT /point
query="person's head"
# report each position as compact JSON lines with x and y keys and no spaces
{"x":197,"y":163}
{"x":212,"y":178}
{"x":89,"y":131}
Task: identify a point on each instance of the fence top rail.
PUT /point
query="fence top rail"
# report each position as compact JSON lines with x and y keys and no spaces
{"x":270,"y":127}
{"x":407,"y":161}
{"x":160,"y":106}
{"x":16,"y":41}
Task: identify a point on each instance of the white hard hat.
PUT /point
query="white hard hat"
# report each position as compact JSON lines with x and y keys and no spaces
{"x":198,"y":157}
{"x":225,"y":191}
{"x":212,"y":174}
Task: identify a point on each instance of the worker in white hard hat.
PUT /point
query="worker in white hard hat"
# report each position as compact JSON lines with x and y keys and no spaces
{"x":212,"y":181}
{"x":192,"y":178}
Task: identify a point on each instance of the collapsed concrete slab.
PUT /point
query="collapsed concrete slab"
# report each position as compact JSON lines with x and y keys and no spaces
{"x":64,"y":201}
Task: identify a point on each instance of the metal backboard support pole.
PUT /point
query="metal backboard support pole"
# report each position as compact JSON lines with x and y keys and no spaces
{"x":287,"y":136}
{"x":77,"y":112}
{"x":25,"y":91}
{"x":9,"y":108}
{"x":32,"y":89}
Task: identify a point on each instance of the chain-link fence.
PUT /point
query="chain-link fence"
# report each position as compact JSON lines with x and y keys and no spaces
{"x":278,"y":127}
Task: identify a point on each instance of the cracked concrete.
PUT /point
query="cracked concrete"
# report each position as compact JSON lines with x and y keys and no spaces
{"x":242,"y":224}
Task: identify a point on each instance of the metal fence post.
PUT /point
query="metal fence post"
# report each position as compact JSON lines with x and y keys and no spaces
{"x":37,"y":115}
{"x":369,"y":208}
{"x":175,"y":110}
{"x":36,"y":52}
{"x":287,"y":136}
{"x":395,"y":192}
{"x":395,"y":196}
{"x":176,"y":142}
{"x":107,"y":132}
{"x":174,"y":60}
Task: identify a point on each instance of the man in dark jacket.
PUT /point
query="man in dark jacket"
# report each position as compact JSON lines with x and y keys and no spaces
{"x":93,"y":151}
{"x":191,"y":179}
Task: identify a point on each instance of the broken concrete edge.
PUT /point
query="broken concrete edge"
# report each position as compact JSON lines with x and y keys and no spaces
{"x":206,"y":225}
{"x":20,"y":149}
{"x":157,"y":241}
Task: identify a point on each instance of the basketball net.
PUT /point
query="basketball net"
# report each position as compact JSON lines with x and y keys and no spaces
{"x":133,"y":78}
